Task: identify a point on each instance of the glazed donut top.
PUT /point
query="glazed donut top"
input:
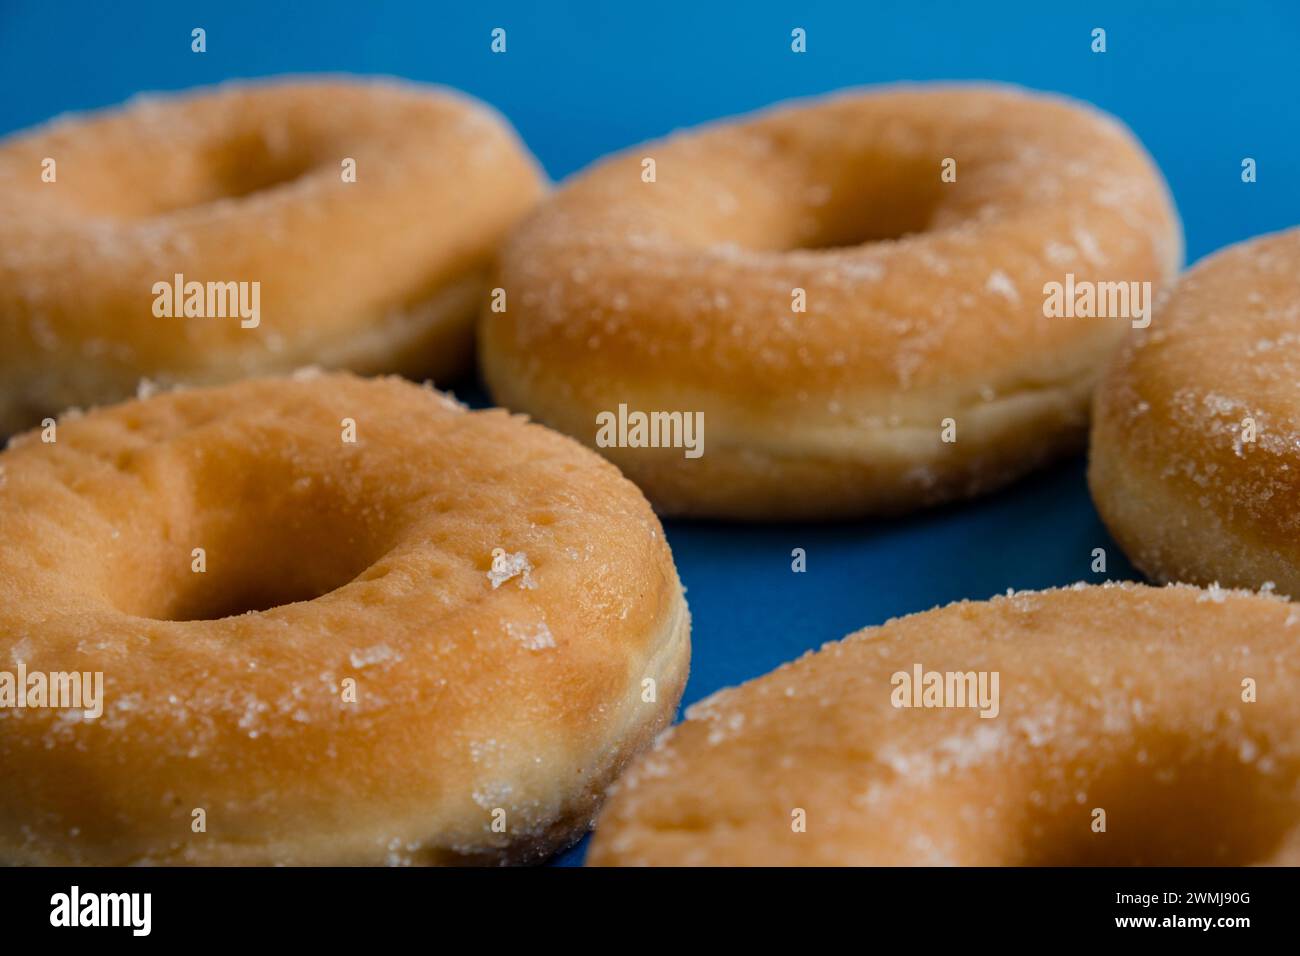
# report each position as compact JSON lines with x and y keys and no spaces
{"x":1124,"y":698}
{"x":478,"y":685}
{"x":685,"y":284}
{"x":245,"y":183}
{"x":1209,"y":396}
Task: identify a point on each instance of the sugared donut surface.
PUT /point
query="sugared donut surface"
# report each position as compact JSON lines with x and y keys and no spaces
{"x":437,"y":642}
{"x":1131,"y":725}
{"x":1195,"y":458}
{"x":672,"y":278}
{"x":366,"y":210}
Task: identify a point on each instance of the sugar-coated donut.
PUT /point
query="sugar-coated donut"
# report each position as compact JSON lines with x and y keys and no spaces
{"x":467,"y":625}
{"x":1127,"y":725}
{"x":356,"y":218}
{"x":1195,"y":459}
{"x":671,"y":278}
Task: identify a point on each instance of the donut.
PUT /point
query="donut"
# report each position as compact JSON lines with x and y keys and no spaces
{"x":247,"y":230}
{"x":1117,"y":724}
{"x":1195,"y":450}
{"x":855,"y":333}
{"x":435,"y":643}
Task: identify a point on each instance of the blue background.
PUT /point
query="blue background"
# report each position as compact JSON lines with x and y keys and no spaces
{"x":1202,"y":84}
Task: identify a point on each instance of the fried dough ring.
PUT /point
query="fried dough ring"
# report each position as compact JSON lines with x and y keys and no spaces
{"x":1195,"y":463}
{"x":246,"y":183}
{"x":495,"y":695}
{"x":924,"y":298}
{"x":1124,"y":699}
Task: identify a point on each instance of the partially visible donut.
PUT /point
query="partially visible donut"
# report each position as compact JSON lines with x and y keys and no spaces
{"x":1132,"y":725}
{"x":1195,"y":463}
{"x":250,"y":183}
{"x":503,"y":600}
{"x":924,"y":298}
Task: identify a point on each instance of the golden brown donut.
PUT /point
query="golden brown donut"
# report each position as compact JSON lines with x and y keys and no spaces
{"x":1124,"y":699}
{"x":502,"y":687}
{"x":1195,"y":461}
{"x":924,"y":299}
{"x":245,"y":183}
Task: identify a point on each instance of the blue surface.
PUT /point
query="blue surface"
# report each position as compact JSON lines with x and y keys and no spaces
{"x":1202,"y":84}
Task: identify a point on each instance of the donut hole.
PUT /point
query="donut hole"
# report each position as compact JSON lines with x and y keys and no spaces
{"x":232,"y":168}
{"x":269,"y":537}
{"x":256,"y":571}
{"x":894,"y":200}
{"x":249,"y":164}
{"x":248,"y":590}
{"x":823,"y":201}
{"x":1211,"y":809}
